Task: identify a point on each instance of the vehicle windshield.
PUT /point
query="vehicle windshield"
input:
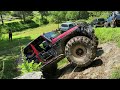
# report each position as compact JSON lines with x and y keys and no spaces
{"x":64,"y":25}
{"x":51,"y":35}
{"x":101,"y":19}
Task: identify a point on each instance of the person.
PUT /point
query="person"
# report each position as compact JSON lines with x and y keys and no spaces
{"x":10,"y":35}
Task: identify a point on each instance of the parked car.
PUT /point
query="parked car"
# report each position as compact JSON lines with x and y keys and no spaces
{"x":66,"y":26}
{"x":113,"y":20}
{"x":99,"y":22}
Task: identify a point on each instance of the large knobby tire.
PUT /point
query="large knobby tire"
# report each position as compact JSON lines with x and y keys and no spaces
{"x":50,"y":71}
{"x":80,"y":50}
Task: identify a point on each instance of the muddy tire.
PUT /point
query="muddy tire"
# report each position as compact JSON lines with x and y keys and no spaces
{"x":50,"y":71}
{"x":80,"y":50}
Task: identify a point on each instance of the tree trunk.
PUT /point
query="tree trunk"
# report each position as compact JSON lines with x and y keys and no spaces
{"x":41,"y":16}
{"x":78,"y":15}
{"x":2,"y":19}
{"x":23,"y":16}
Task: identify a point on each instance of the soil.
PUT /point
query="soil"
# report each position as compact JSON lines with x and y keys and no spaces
{"x":108,"y":56}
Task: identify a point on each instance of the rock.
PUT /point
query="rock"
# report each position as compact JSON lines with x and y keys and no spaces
{"x":31,"y":75}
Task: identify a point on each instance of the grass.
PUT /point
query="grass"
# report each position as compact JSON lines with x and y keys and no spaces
{"x":115,"y":74}
{"x":108,"y":34}
{"x":9,"y":51}
{"x":6,"y":21}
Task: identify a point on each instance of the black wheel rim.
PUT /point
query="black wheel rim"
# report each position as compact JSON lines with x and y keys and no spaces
{"x":79,"y":52}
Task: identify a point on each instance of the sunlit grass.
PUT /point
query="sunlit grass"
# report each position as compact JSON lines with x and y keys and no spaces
{"x":108,"y":34}
{"x":9,"y":51}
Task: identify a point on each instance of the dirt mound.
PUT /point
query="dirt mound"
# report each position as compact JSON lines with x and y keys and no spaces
{"x":107,"y":57}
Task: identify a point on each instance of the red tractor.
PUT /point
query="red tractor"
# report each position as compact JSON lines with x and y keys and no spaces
{"x":78,"y":45}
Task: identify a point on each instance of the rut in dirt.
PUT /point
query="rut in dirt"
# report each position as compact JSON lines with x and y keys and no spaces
{"x":108,"y":56}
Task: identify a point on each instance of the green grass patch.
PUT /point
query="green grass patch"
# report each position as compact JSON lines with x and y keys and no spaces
{"x":63,"y":63}
{"x":108,"y":34}
{"x":115,"y":74}
{"x":18,"y":26}
{"x":9,"y":51}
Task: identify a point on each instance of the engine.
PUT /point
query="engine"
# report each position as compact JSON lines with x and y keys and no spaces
{"x":47,"y":55}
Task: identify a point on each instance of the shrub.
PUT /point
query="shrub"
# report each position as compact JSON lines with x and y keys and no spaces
{"x":36,"y":19}
{"x":26,"y":66}
{"x":29,"y":67}
{"x":43,"y":21}
{"x":18,"y":26}
{"x":51,"y":19}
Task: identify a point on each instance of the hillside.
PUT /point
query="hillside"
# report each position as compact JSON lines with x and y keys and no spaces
{"x":101,"y":68}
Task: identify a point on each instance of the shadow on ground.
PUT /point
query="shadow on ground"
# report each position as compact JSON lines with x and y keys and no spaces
{"x":95,"y":63}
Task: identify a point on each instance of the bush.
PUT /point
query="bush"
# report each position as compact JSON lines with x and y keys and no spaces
{"x":26,"y":66}
{"x":43,"y":21}
{"x":18,"y":26}
{"x":29,"y":18}
{"x":36,"y":19}
{"x":51,"y":19}
{"x":29,"y":67}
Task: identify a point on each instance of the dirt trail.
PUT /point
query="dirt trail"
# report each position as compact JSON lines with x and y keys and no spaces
{"x":101,"y":68}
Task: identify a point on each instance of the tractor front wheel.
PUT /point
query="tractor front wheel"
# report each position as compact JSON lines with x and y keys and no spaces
{"x":80,"y":50}
{"x":50,"y":71}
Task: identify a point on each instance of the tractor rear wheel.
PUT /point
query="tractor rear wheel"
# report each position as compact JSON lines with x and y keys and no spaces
{"x":80,"y":51}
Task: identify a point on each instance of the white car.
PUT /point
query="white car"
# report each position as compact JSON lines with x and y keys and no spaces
{"x":66,"y":26}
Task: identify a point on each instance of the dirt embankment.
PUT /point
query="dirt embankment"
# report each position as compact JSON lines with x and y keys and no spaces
{"x":108,"y":57}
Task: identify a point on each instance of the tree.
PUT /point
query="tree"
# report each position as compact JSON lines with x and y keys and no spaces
{"x":43,"y":13}
{"x":83,"y":14}
{"x":72,"y":15}
{"x":3,"y":13}
{"x":43,"y":20}
{"x":58,"y":16}
{"x":1,"y":18}
{"x":22,"y":14}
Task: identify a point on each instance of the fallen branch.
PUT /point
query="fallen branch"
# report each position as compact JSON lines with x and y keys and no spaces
{"x":72,"y":72}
